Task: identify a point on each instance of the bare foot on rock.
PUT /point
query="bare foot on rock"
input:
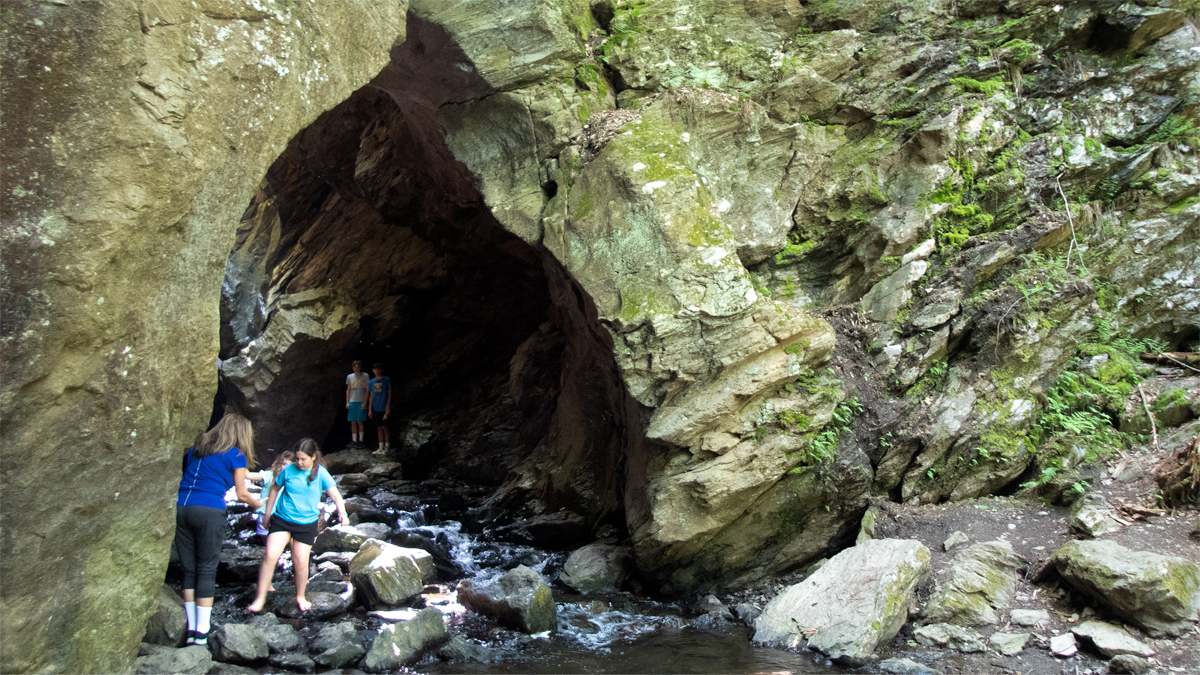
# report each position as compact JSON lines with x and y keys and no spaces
{"x":256,"y":606}
{"x":304,"y":604}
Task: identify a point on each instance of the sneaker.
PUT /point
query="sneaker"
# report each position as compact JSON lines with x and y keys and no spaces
{"x":195,"y":637}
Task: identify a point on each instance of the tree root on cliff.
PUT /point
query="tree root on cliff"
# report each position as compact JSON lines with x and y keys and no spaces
{"x":1179,"y":475}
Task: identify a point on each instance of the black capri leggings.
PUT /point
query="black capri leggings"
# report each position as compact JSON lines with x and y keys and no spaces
{"x":199,"y":533}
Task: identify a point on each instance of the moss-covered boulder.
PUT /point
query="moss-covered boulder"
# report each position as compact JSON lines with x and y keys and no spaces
{"x":856,"y":601}
{"x":1159,"y":593}
{"x":520,"y":599}
{"x":400,"y":644}
{"x":384,"y":575}
{"x":980,"y":581}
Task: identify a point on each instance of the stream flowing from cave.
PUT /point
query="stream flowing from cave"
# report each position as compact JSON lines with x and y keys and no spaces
{"x":596,"y":633}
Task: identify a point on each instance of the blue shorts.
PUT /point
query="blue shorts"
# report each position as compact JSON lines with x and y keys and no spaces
{"x":357,"y":412}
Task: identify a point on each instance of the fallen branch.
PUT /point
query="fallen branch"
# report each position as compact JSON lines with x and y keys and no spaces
{"x":1146,"y":407}
{"x":1135,"y":510}
{"x":1178,"y":358}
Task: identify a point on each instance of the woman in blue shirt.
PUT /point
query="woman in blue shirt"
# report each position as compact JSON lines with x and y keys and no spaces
{"x":293,"y":509}
{"x":215,"y":462}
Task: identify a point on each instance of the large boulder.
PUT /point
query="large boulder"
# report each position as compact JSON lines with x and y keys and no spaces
{"x":385,"y":575}
{"x":168,"y":624}
{"x":856,"y":601}
{"x":597,"y":567}
{"x":154,"y":123}
{"x":399,"y":644}
{"x":520,"y":599}
{"x":980,"y":581}
{"x":1159,"y":593}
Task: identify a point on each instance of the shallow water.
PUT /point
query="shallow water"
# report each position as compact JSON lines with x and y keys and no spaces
{"x":725,"y":649}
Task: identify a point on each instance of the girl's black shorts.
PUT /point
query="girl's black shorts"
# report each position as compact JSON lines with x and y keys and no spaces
{"x":305,"y":534}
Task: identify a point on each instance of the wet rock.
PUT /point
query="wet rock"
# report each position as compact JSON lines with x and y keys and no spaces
{"x":350,"y":460}
{"x":445,"y":566}
{"x":298,"y":663}
{"x":747,"y":612}
{"x":852,"y":604}
{"x":194,"y":660}
{"x":340,"y":558}
{"x":460,"y":649}
{"x":713,"y":607}
{"x":954,"y":540}
{"x":343,"y":538}
{"x":597,"y":567}
{"x":1029,"y":617}
{"x":399,"y":644}
{"x":1008,"y":643}
{"x":280,"y":637}
{"x":901,"y":666}
{"x":1111,"y":640}
{"x":1089,"y":516}
{"x":1063,"y":646}
{"x":981,"y":580}
{"x":950,"y":636}
{"x":324,"y":605}
{"x":240,"y":564}
{"x":1128,"y":664}
{"x":168,"y":624}
{"x":1158,"y":593}
{"x":230,"y":669}
{"x":238,"y":643}
{"x":559,"y":531}
{"x":337,"y":645}
{"x":520,"y":599}
{"x":385,"y":575}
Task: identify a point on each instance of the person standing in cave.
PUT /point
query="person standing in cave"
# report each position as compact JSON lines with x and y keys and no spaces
{"x":216,"y":462}
{"x":356,"y":402}
{"x":293,"y":511}
{"x":381,"y":406}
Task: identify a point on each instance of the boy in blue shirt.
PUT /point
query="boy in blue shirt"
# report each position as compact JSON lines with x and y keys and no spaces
{"x":381,"y":405}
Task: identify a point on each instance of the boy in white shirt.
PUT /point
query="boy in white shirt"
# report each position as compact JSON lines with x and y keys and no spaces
{"x":357,"y":384}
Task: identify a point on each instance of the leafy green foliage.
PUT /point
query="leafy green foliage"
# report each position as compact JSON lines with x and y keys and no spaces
{"x":825,"y":444}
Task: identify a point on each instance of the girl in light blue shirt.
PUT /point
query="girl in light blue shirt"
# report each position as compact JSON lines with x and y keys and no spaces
{"x":293,"y":510}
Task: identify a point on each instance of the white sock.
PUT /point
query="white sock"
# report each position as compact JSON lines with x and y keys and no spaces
{"x":202,"y":619}
{"x":189,"y":608}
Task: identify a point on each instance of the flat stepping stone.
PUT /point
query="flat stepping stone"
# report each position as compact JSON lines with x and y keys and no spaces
{"x":1029,"y":617}
{"x":1111,"y":640}
{"x":1008,"y":643}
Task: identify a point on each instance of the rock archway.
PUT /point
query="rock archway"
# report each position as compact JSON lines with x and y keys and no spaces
{"x":368,"y":239}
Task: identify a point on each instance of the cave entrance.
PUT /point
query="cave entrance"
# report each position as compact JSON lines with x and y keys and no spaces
{"x":369,"y":240}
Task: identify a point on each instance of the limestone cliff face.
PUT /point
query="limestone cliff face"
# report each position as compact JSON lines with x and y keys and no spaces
{"x":710,"y":271}
{"x":769,"y":162}
{"x":133,"y":134}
